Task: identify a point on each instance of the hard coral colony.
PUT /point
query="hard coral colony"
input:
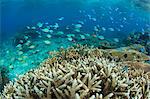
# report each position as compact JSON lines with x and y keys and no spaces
{"x":80,"y":73}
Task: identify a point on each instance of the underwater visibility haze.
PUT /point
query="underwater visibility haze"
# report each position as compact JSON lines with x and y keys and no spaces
{"x":43,"y":37}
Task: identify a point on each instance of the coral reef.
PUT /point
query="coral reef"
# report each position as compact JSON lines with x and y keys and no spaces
{"x":136,"y":47}
{"x":3,"y":77}
{"x":103,"y":44}
{"x":80,"y":73}
{"x":130,"y":56}
{"x":142,"y":4}
{"x":139,"y":38}
{"x":127,"y":55}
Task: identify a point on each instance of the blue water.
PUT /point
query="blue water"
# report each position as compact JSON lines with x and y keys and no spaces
{"x":16,"y":14}
{"x":118,"y":18}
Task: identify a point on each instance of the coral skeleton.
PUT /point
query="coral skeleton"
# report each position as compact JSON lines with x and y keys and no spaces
{"x":80,"y":73}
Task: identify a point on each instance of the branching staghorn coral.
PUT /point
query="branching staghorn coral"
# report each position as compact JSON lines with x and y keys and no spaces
{"x":80,"y":73}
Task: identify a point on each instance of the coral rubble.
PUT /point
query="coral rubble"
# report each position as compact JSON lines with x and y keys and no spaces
{"x":80,"y":73}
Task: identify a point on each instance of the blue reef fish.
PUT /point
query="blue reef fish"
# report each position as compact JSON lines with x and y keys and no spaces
{"x":28,"y":27}
{"x":82,"y":36}
{"x":124,"y":18}
{"x":33,"y":27}
{"x":61,"y":18}
{"x":47,"y":42}
{"x":110,"y":8}
{"x":48,"y":27}
{"x":56,"y":26}
{"x":78,"y":26}
{"x":116,"y":40}
{"x":77,"y":30}
{"x":103,"y":28}
{"x":26,"y":37}
{"x":88,"y":35}
{"x":142,"y":50}
{"x":70,"y":39}
{"x":19,"y":45}
{"x":45,"y":30}
{"x":80,"y":11}
{"x":121,"y":26}
{"x":101,"y":37}
{"x":93,"y":19}
{"x":51,"y":31}
{"x":142,"y":30}
{"x":96,"y":28}
{"x":70,"y":35}
{"x":111,"y":18}
{"x":116,"y":9}
{"x":46,"y":23}
{"x":118,"y":29}
{"x":89,"y":16}
{"x":60,"y":33}
{"x":48,"y":36}
{"x":21,"y":41}
{"x":39,"y":24}
{"x":67,"y":28}
{"x":110,"y":12}
{"x":20,"y":52}
{"x":32,"y":46}
{"x":111,"y":29}
{"x":80,"y":22}
{"x":40,"y":36}
{"x":28,"y":43}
